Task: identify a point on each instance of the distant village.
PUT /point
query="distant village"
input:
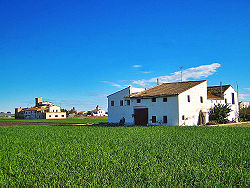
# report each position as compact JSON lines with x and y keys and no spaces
{"x":48,"y":110}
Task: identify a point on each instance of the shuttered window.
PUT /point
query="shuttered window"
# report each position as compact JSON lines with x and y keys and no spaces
{"x":153,"y":119}
{"x":165,"y":119}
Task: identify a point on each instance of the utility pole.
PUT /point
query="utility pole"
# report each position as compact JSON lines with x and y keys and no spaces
{"x":181,"y":72}
{"x":237,"y":87}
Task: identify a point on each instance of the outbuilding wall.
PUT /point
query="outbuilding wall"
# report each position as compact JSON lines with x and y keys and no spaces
{"x":117,"y":112}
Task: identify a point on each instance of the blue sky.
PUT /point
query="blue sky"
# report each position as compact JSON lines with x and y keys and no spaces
{"x":75,"y":53}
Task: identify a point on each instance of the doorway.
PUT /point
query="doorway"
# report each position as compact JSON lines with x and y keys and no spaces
{"x":141,"y":116}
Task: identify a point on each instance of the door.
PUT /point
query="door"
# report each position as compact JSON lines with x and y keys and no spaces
{"x":141,"y":116}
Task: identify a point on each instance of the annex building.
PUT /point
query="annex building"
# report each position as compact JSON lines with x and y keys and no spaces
{"x":41,"y":110}
{"x":180,"y":103}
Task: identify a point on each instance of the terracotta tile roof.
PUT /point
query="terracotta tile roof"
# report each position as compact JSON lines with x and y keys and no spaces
{"x":166,"y":89}
{"x":35,"y":108}
{"x":214,"y":92}
{"x":211,"y":96}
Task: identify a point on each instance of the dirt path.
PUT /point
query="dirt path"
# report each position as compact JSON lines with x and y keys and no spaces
{"x":17,"y":123}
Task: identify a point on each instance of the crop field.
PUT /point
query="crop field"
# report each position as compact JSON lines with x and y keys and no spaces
{"x":124,"y":156}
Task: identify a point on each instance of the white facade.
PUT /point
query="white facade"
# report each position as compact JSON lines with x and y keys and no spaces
{"x":189,"y":112}
{"x":190,"y":107}
{"x":55,"y":115}
{"x":54,"y":109}
{"x":117,"y":112}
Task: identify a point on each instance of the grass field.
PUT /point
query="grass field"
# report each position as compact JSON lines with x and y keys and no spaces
{"x":124,"y":156}
{"x":90,"y":120}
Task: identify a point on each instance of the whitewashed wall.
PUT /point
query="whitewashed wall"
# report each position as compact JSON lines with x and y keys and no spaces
{"x":160,"y":109}
{"x":54,"y":109}
{"x":52,"y":115}
{"x":191,"y":110}
{"x":117,"y":112}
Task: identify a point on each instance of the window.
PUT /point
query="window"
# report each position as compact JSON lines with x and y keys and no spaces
{"x":153,"y":99}
{"x":153,"y":119}
{"x":56,"y":110}
{"x":188,"y":98}
{"x":138,"y":100}
{"x":49,"y":115}
{"x":62,"y":115}
{"x":233,"y":101}
{"x":165,"y":99}
{"x":112,"y":103}
{"x":121,"y":102}
{"x":56,"y":115}
{"x":226,"y":101}
{"x":128,"y":102}
{"x":183,"y":117}
{"x":165,"y":119}
{"x":201,"y":98}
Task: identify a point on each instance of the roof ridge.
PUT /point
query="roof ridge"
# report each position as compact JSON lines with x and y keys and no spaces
{"x":220,"y":86}
{"x":174,"y":88}
{"x":183,"y":82}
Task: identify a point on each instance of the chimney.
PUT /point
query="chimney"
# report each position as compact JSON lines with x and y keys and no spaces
{"x":221,"y":89}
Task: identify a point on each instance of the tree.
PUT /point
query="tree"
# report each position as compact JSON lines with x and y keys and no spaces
{"x":90,"y":113}
{"x":219,"y":113}
{"x":244,"y":113}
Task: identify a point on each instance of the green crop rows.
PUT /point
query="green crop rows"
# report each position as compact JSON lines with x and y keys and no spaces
{"x":124,"y":156}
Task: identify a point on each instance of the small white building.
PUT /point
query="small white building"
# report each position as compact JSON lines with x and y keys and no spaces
{"x":180,"y":103}
{"x":244,"y":104}
{"x":99,"y":112}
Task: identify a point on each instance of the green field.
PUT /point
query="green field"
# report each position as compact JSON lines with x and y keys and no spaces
{"x":124,"y":156}
{"x":90,"y":120}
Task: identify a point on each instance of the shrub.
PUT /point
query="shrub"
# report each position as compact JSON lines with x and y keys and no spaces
{"x":219,"y":113}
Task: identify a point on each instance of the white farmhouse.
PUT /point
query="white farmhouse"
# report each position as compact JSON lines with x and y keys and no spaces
{"x":41,"y":110}
{"x":180,"y":103}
